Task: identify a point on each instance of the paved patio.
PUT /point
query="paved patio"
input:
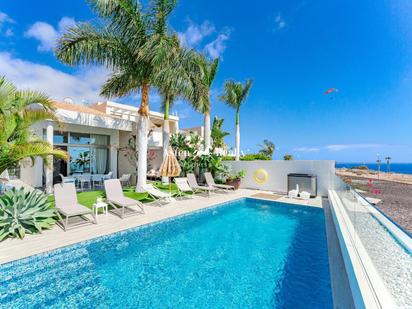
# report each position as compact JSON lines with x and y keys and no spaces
{"x":13,"y":249}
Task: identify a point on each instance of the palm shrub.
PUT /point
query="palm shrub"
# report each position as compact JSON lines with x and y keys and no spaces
{"x":19,"y":110}
{"x":218,"y":135}
{"x":23,"y":212}
{"x":267,"y":149}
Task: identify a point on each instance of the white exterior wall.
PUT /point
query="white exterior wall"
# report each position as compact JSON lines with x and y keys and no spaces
{"x":33,"y":175}
{"x":29,"y":173}
{"x":278,"y":170}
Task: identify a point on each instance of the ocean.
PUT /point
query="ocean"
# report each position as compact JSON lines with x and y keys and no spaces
{"x":403,"y":168}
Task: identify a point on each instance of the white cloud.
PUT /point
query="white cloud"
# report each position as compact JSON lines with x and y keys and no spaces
{"x":195,"y":34}
{"x":340,"y":147}
{"x":5,"y":19}
{"x":48,"y":35}
{"x":9,"y":32}
{"x":306,"y":149}
{"x":280,"y":22}
{"x":84,"y":85}
{"x":216,"y":48}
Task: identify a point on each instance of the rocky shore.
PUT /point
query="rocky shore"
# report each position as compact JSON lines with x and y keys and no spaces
{"x":394,"y":191}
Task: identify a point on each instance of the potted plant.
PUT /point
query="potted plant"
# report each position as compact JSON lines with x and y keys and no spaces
{"x":235,"y":179}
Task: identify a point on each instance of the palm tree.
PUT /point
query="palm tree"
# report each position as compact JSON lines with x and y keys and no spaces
{"x":202,"y":79}
{"x":135,"y":43}
{"x":19,"y":110}
{"x":388,"y":164}
{"x":175,"y":80}
{"x":235,"y":95}
{"x":217,"y":134}
{"x":268,"y":148}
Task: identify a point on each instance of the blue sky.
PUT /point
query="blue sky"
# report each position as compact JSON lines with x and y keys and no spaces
{"x":294,"y":51}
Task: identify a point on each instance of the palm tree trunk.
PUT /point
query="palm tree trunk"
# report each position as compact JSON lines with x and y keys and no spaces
{"x":207,"y":132}
{"x":237,"y":142}
{"x":141,"y":138}
{"x":166,"y":136}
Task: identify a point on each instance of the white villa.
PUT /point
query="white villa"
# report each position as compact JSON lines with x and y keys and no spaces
{"x":99,"y":138}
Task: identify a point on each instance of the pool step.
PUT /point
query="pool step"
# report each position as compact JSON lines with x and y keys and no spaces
{"x":35,"y":279}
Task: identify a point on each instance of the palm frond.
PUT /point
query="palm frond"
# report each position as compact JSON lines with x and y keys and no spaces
{"x":88,"y":44}
{"x":121,"y":83}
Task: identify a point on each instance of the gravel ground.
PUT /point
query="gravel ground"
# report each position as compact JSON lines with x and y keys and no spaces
{"x":396,"y":199}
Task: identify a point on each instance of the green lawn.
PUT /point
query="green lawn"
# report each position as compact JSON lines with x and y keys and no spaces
{"x":88,"y":198}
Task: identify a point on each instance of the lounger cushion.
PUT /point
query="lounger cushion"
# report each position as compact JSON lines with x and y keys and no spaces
{"x":124,"y":201}
{"x":74,"y":210}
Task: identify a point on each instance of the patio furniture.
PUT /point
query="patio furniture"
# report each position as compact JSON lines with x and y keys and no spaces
{"x":157,"y":195}
{"x":97,"y":179}
{"x":191,"y":178}
{"x":67,"y":179}
{"x":84,"y":179}
{"x":183,"y":187}
{"x":107,"y":176}
{"x":125,"y":179}
{"x":100,"y":205}
{"x":211,"y":183}
{"x":116,"y":199}
{"x":67,"y":205}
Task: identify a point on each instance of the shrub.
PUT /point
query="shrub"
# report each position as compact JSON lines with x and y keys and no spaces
{"x":23,"y":212}
{"x":254,"y":156}
{"x":228,"y":158}
{"x":239,"y":175}
{"x":361,"y":167}
{"x":288,"y":157}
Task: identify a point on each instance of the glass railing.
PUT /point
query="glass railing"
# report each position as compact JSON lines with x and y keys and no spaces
{"x":383,"y":249}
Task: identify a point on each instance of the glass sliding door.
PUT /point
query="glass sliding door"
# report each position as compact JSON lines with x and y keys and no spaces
{"x":100,"y":153}
{"x":88,"y":153}
{"x":79,"y":160}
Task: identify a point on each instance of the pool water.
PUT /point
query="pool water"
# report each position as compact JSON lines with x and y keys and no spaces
{"x":243,"y":254}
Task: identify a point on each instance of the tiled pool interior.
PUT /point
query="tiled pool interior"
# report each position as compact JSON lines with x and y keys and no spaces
{"x":243,"y":254}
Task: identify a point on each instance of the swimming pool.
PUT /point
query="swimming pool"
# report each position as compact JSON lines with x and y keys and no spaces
{"x":246,"y":253}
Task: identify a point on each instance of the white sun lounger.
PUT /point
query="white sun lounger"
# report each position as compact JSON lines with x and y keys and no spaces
{"x":211,"y":183}
{"x":157,"y":195}
{"x":67,"y":205}
{"x":191,"y":178}
{"x":183,"y":187}
{"x":116,"y":198}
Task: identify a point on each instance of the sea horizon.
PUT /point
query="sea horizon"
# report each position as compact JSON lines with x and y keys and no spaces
{"x":402,"y":168}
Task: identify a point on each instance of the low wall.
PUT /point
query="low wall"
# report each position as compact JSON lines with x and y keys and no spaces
{"x":278,"y":170}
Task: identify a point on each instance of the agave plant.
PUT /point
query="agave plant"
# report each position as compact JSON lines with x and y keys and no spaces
{"x":23,"y":212}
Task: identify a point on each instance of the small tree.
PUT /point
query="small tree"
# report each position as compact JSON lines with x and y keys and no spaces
{"x":19,"y":110}
{"x":267,"y":149}
{"x":288,"y":157}
{"x":218,"y":135}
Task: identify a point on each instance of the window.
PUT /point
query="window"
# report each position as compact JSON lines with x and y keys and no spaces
{"x":80,"y":138}
{"x":60,"y":137}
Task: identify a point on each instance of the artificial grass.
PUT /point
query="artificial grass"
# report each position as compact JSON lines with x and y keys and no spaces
{"x":88,"y":198}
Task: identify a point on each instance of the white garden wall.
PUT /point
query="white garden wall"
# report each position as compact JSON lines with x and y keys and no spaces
{"x":278,"y":170}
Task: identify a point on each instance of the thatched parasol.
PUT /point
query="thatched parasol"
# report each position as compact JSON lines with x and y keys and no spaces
{"x":170,"y":166}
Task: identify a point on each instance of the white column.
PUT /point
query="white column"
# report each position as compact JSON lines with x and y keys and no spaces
{"x":114,"y":141}
{"x":49,"y":164}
